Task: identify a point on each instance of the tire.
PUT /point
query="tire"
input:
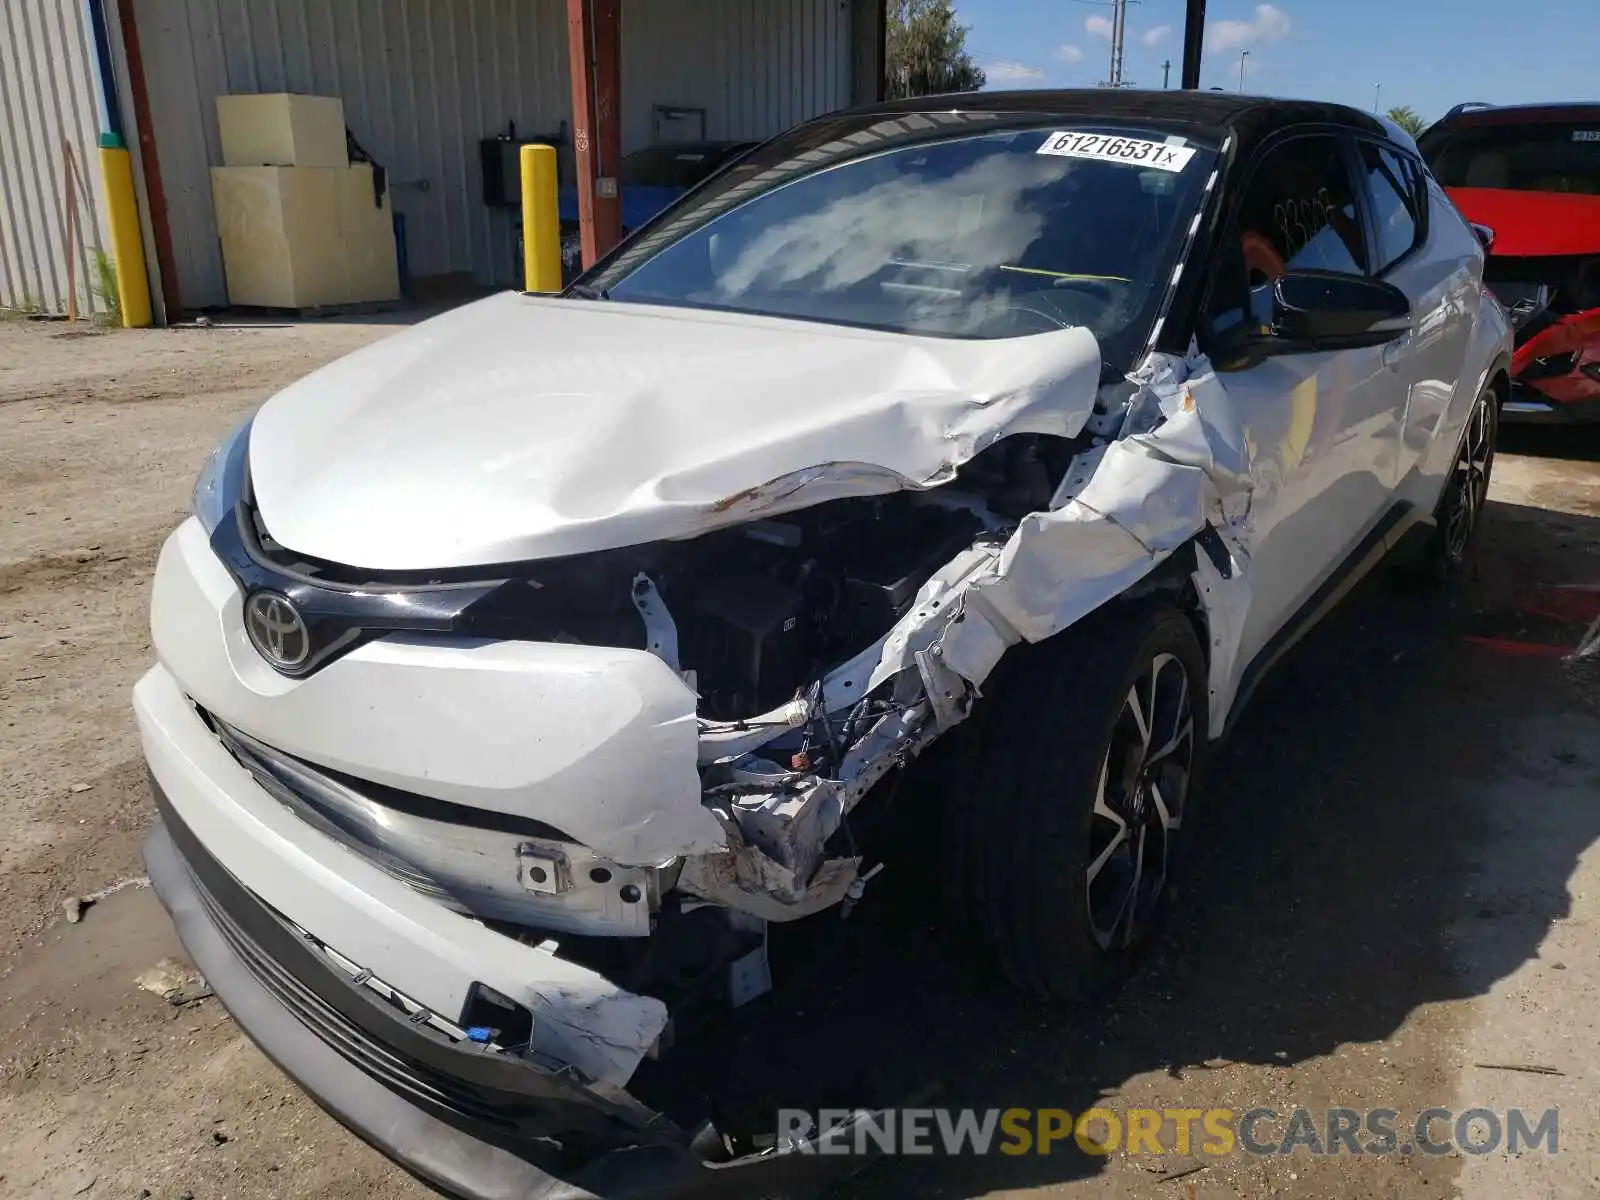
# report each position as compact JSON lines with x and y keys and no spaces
{"x":1459,"y":515}
{"x":1028,"y":827}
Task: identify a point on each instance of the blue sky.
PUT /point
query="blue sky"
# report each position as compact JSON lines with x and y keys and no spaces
{"x":1427,"y":54}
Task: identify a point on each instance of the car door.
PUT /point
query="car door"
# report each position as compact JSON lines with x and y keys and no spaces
{"x":1321,"y":428}
{"x":1434,"y":264}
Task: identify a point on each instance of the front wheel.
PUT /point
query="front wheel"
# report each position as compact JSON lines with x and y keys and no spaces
{"x":1061,"y":852}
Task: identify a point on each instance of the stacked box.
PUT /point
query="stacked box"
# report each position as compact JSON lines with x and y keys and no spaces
{"x":281,"y":129}
{"x":302,"y":229}
{"x":368,"y":231}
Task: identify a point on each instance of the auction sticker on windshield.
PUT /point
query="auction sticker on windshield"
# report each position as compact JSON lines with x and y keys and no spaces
{"x":1109,"y":147}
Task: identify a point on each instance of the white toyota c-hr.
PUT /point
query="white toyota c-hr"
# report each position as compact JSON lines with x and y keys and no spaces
{"x":517,"y":671}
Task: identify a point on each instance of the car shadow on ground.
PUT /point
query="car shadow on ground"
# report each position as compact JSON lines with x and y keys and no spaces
{"x":1337,"y":863}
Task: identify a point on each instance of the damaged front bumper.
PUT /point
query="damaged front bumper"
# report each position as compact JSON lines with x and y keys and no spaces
{"x":477,"y":1120}
{"x":469,"y":1121}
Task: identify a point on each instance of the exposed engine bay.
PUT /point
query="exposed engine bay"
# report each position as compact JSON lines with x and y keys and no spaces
{"x":751,"y":615}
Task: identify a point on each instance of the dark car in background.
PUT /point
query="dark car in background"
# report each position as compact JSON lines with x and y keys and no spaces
{"x":1531,"y":174}
{"x":649,"y":180}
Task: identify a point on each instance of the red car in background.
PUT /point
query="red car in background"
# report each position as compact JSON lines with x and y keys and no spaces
{"x":1531,"y":175}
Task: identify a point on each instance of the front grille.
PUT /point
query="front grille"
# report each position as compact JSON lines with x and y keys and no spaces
{"x":284,"y":782}
{"x":472,"y":861}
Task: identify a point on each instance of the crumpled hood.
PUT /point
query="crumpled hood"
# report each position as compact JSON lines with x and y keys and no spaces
{"x":523,"y":427}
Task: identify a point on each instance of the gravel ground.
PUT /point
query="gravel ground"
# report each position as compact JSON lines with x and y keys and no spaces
{"x":1395,"y":898}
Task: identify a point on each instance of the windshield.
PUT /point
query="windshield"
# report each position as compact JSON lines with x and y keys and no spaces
{"x":989,"y":236}
{"x":1522,"y":158}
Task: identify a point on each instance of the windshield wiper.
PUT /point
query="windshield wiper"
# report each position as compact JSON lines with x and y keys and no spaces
{"x":588,"y":291}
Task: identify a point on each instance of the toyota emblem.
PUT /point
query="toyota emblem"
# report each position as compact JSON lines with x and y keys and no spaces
{"x":277,"y":630}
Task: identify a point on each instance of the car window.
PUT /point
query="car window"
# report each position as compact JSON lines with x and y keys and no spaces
{"x":1547,"y":157}
{"x":987,"y":236}
{"x":1299,"y":211}
{"x":1398,"y":196}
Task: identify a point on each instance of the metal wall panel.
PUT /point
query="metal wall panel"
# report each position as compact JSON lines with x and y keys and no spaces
{"x":755,"y":66}
{"x":423,"y":80}
{"x":47,"y":100}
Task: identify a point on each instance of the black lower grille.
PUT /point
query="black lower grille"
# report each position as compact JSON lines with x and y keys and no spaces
{"x":500,"y":1098}
{"x":420,"y":1085}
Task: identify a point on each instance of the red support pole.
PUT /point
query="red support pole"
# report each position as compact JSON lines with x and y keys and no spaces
{"x":608,"y":122}
{"x":594,"y":51}
{"x":166,"y":263}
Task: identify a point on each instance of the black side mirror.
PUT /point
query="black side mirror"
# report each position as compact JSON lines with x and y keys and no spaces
{"x":1329,"y":310}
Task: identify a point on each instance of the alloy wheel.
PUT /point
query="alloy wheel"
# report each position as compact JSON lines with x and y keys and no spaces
{"x":1139,"y":804}
{"x":1471,"y":484}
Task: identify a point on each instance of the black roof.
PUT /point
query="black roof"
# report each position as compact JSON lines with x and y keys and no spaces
{"x":1521,"y":114}
{"x":1217,"y":113}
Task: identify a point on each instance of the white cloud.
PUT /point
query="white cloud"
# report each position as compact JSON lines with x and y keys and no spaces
{"x":1154,"y":37}
{"x":1270,"y":24}
{"x":1098,"y":27}
{"x":1068,"y":54}
{"x":1003,"y":70}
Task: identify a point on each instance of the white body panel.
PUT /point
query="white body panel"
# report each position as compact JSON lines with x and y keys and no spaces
{"x":597,"y":741}
{"x":429,"y":953}
{"x":1325,"y":428}
{"x":522,"y":427}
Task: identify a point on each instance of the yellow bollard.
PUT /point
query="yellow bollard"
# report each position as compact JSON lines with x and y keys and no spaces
{"x":127,"y":247}
{"x":541,"y":224}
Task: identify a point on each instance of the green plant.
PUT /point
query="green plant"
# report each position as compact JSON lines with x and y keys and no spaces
{"x":1407,"y":119}
{"x":103,"y":286}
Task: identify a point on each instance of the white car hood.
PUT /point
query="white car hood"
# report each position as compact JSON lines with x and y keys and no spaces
{"x":523,"y":427}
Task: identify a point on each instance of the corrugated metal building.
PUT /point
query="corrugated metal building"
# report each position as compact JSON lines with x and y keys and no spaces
{"x":423,"y":80}
{"x":47,"y":102}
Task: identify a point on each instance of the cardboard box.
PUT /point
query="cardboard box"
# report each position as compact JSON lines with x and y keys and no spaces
{"x":282,"y":129}
{"x":368,"y":230}
{"x":304,"y":237}
{"x":279,"y":227}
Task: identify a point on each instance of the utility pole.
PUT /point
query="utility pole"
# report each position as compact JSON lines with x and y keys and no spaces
{"x":1194,"y":32}
{"x":1377,"y":93}
{"x":1243,"y":54}
{"x":1119,"y":25}
{"x":1166,"y":74}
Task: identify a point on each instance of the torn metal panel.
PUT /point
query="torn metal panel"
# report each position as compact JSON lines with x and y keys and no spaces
{"x":1131,"y":513}
{"x":1180,"y":470}
{"x":745,"y":879}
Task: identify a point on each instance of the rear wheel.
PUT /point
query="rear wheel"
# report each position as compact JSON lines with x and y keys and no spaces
{"x":1062,"y":850}
{"x":1466,"y":494}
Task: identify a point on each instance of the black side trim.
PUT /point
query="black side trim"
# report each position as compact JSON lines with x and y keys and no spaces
{"x":1388,"y":533}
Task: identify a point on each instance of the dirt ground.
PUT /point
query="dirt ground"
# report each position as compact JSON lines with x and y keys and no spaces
{"x":1395,"y":902}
